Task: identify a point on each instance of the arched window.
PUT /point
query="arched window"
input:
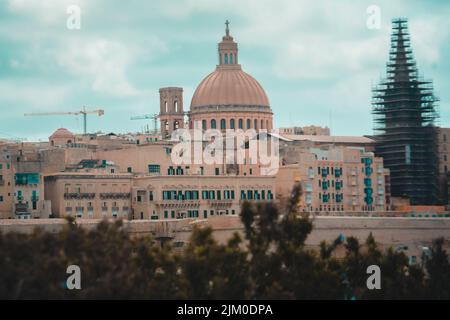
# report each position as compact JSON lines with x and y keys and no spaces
{"x":166,"y":125}
{"x":226,"y":58}
{"x":204,"y":124}
{"x":262,"y":124}
{"x":175,"y":104}
{"x":231,"y":58}
{"x":213,"y":124}
{"x":175,"y":125}
{"x":166,"y":108}
{"x":232,"y":124}
{"x":249,"y":123}
{"x":241,"y":124}
{"x":223,"y":124}
{"x":255,"y":124}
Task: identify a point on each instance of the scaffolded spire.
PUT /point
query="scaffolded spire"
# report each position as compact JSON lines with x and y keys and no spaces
{"x":404,"y":109}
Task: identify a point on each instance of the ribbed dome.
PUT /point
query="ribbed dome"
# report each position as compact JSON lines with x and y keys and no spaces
{"x":229,"y":86}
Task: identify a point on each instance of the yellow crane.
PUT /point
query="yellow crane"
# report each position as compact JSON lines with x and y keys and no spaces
{"x":83,"y":112}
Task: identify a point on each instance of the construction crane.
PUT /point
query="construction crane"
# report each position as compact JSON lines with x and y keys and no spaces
{"x":83,"y":112}
{"x":154,"y":117}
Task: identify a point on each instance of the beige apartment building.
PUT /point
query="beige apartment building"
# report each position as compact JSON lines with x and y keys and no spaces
{"x":6,"y":187}
{"x":22,"y":170}
{"x":175,"y":197}
{"x":307,"y":130}
{"x":336,"y":179}
{"x":89,"y":195}
{"x":444,"y":163}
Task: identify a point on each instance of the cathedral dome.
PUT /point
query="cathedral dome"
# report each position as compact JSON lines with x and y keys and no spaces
{"x":229,"y":85}
{"x":229,"y":98}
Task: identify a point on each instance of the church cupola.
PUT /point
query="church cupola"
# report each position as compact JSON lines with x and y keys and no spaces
{"x":228,"y":49}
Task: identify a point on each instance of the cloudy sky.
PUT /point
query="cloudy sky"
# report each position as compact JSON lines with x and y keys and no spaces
{"x":316,"y":59}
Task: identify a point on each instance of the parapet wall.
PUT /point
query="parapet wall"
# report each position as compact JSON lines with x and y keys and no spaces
{"x":411,"y":234}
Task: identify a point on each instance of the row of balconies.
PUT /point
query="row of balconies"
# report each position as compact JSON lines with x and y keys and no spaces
{"x":103,"y":196}
{"x":115,"y":195}
{"x":75,"y":195}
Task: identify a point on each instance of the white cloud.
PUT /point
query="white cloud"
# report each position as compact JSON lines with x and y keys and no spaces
{"x":49,"y":12}
{"x":104,"y":61}
{"x":32,"y":96}
{"x":427,"y":38}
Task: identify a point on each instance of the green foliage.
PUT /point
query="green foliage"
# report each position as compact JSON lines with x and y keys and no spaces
{"x":272,"y":261}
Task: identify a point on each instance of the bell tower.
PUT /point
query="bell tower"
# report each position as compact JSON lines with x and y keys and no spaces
{"x":171,"y":110}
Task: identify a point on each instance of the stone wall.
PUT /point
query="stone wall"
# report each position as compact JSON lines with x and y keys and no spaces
{"x":407,"y":234}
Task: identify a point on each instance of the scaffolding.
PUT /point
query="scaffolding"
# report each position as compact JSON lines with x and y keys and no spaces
{"x":405,"y":112}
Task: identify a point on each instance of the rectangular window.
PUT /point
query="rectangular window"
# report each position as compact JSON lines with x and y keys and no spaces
{"x":150,"y":195}
{"x":1,"y":198}
{"x":217,"y":171}
{"x":154,"y":168}
{"x":408,"y":154}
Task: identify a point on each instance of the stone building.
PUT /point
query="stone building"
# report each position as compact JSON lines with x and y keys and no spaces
{"x":336,"y":180}
{"x":92,"y":195}
{"x":443,"y":138}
